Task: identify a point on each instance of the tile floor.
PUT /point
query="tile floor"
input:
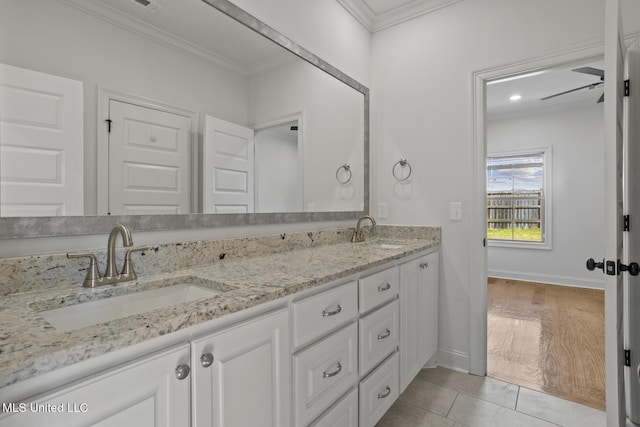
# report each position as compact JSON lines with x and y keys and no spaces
{"x":441,"y":397}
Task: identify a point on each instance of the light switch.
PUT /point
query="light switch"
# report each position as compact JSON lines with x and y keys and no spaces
{"x":455,"y":211}
{"x":383,"y":211}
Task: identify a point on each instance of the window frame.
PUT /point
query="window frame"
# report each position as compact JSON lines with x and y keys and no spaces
{"x":546,"y":214}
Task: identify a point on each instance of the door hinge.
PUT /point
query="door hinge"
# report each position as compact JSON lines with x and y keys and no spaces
{"x":627,"y":87}
{"x":625,"y":220}
{"x":108,"y":125}
{"x":484,"y":242}
{"x":627,"y":358}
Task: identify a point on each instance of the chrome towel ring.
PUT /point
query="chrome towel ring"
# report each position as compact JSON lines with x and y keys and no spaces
{"x":344,"y":177}
{"x":402,"y":163}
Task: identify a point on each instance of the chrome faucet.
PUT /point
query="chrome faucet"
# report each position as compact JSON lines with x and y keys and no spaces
{"x":357,"y":232}
{"x":121,"y":229}
{"x":111,"y":275}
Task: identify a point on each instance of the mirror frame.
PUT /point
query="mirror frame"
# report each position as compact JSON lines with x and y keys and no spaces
{"x":31,"y":227}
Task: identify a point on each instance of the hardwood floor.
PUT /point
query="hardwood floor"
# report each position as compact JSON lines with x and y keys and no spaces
{"x":548,"y":338}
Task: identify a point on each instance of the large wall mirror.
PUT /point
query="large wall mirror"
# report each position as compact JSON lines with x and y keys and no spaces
{"x":169,"y":115}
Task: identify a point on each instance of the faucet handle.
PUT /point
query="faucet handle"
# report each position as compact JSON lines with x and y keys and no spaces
{"x":93,"y":275}
{"x":127,"y":268}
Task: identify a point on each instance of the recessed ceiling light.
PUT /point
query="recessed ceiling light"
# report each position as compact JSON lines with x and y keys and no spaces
{"x":515,"y":97}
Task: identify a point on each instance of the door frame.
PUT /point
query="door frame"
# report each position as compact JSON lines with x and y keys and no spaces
{"x":276,"y":121}
{"x":479,"y":267}
{"x":105,"y":96}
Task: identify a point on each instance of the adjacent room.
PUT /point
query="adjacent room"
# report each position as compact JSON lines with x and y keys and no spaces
{"x":545,"y":133}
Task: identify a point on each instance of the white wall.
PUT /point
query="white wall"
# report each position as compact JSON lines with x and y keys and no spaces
{"x":276,"y":163}
{"x":422,"y":99}
{"x":302,"y":88}
{"x":576,"y":137}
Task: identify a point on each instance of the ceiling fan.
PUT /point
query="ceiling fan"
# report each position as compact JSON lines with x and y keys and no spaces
{"x":586,"y":70}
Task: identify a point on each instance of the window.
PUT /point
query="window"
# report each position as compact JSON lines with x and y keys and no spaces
{"x":518,"y":199}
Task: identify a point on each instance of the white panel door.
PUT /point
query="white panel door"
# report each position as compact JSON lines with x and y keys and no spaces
{"x":613,"y":198}
{"x":148,"y":161}
{"x":228,"y":156}
{"x":41,"y":144}
{"x":632,"y":238}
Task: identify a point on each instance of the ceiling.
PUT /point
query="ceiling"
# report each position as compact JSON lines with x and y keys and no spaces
{"x":378,"y":14}
{"x":195,"y":28}
{"x":548,"y":82}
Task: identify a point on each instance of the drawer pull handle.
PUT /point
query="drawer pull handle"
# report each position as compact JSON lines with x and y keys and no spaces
{"x":326,"y":374}
{"x":326,"y":313}
{"x":424,"y":264}
{"x":384,"y":288}
{"x":384,"y":335}
{"x":386,"y":393}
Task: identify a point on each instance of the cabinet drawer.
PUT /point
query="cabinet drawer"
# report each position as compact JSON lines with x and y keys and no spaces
{"x":343,"y":414}
{"x":378,"y":335}
{"x":378,"y":288}
{"x":378,"y":391}
{"x":319,"y":314}
{"x":323,"y":373}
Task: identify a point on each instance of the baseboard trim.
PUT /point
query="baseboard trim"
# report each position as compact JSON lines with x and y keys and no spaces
{"x":548,"y":279}
{"x":453,"y":359}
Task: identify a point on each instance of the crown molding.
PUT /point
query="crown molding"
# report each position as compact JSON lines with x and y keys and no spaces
{"x":141,"y":28}
{"x":376,"y":22}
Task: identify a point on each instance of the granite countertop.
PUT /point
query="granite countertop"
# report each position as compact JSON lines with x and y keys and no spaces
{"x":30,"y":346}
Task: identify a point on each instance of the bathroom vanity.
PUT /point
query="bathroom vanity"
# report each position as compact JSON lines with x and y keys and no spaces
{"x":290,"y":330}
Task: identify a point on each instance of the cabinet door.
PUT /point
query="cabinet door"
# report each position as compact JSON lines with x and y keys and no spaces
{"x":145,"y":393}
{"x":429,"y":298}
{"x":242,"y":374}
{"x":418,"y":315}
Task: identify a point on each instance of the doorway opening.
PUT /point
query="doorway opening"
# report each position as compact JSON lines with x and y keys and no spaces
{"x":544,"y":139}
{"x":277,"y":168}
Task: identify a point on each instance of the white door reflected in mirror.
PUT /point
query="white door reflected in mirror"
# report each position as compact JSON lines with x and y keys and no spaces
{"x":41,"y":130}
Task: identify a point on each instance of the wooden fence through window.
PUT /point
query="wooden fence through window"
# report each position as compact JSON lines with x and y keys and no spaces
{"x":511,"y":210}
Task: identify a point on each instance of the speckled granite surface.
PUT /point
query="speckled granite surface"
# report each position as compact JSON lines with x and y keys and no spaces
{"x":254,"y":270}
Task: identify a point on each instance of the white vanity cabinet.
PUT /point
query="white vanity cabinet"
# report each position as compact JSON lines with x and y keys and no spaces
{"x":153,"y":391}
{"x":418,"y":315}
{"x":241,"y":374}
{"x":336,"y":355}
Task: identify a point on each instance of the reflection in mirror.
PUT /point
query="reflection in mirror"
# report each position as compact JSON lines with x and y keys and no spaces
{"x":108,"y":107}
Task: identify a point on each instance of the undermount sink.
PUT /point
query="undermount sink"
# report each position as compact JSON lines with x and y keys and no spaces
{"x":390,"y":246}
{"x":163,"y":293}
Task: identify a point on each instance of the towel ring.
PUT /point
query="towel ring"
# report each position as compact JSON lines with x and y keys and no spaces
{"x":346,"y":175}
{"x":402,"y":163}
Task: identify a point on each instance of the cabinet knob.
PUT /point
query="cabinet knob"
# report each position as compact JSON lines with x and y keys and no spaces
{"x":206,"y":359}
{"x":182,"y":371}
{"x":424,"y":264}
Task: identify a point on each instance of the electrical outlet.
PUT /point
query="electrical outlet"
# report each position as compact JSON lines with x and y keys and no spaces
{"x":455,"y":211}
